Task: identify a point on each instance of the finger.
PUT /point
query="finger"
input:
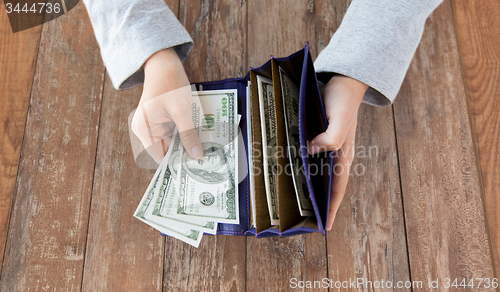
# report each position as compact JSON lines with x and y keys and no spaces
{"x":162,"y":130}
{"x":154,"y":146}
{"x":140,"y":127}
{"x":157,"y":123}
{"x":168,"y":130}
{"x":157,"y":151}
{"x":341,"y":170}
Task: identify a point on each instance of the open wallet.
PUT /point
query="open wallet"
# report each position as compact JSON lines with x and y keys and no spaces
{"x":290,"y":194}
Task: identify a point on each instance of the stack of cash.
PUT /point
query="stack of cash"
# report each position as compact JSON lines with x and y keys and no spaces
{"x":189,"y":197}
{"x":267,"y":107}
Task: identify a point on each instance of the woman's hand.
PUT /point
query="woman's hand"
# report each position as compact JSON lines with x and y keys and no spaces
{"x":165,"y":103}
{"x":342,"y":96}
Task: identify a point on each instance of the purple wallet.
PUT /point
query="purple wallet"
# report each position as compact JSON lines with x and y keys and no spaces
{"x":312,"y":121}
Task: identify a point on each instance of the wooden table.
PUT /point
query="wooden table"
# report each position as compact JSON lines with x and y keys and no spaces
{"x":426,"y":206}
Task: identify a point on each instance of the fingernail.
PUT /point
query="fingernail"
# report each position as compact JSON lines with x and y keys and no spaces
{"x":197,"y":152}
{"x":314,"y":148}
{"x":329,"y":227}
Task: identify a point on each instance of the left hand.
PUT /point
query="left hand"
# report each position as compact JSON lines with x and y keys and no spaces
{"x":342,"y":96}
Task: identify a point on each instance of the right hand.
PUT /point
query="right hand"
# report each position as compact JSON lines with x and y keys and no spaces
{"x":165,"y":103}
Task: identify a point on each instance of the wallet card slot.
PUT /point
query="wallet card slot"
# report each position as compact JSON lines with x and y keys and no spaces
{"x":263,"y":220}
{"x":289,"y":214}
{"x":308,"y":222}
{"x":296,"y":67}
{"x":319,"y":166}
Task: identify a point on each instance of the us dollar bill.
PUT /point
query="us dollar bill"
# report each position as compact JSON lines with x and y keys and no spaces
{"x":251,"y":177}
{"x":165,"y":197}
{"x":207,"y":188}
{"x":290,"y":95}
{"x":190,"y":236}
{"x":268,"y":126}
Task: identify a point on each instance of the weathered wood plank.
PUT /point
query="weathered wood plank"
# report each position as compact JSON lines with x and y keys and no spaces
{"x":48,"y":228}
{"x":18,"y":53}
{"x":368,"y":237}
{"x":281,"y":28}
{"x":479,"y":41}
{"x":218,"y":31}
{"x":329,"y":15}
{"x":219,"y":34}
{"x":444,"y":215}
{"x":122,"y":252}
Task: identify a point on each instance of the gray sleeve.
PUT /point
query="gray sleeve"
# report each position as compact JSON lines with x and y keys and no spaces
{"x":130,"y":31}
{"x":375,"y":44}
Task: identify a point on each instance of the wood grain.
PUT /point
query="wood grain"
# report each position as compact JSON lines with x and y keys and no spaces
{"x":477,"y":24}
{"x":367,"y":239}
{"x":442,"y":198}
{"x":18,"y":53}
{"x":123,"y":253}
{"x":329,"y":15}
{"x":280,"y":28}
{"x":47,"y":246}
{"x":48,"y":228}
{"x":218,"y":31}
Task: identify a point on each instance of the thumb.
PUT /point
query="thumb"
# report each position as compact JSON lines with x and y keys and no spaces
{"x":334,"y":136}
{"x":342,"y":97}
{"x":189,"y":136}
{"x":191,"y":142}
